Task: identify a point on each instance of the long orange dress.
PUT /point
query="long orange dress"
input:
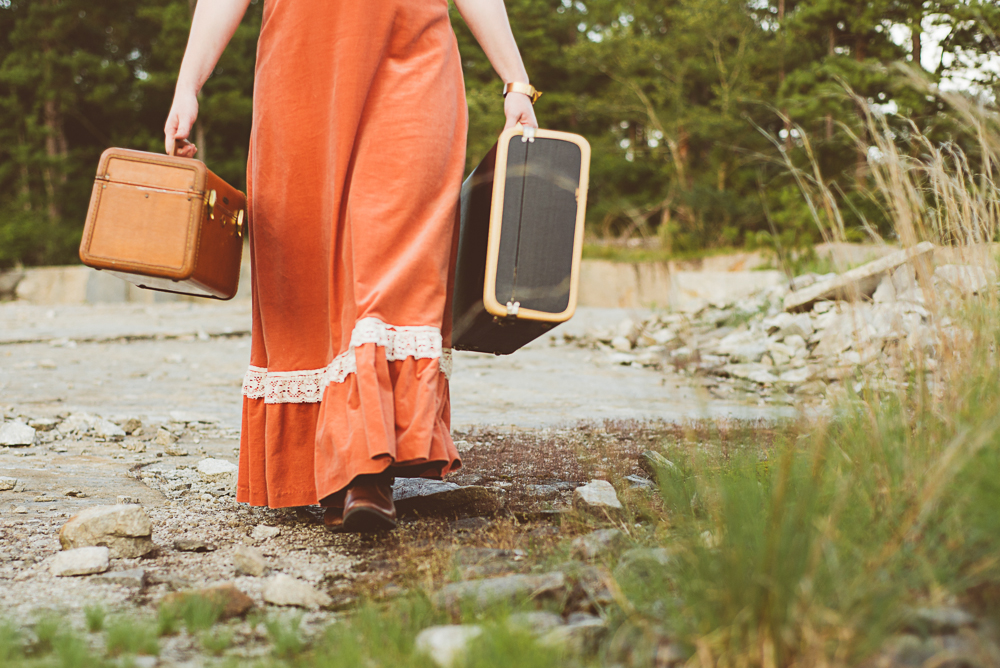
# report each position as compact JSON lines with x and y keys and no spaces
{"x":356,"y":160}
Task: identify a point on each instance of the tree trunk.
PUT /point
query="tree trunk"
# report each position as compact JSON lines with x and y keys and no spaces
{"x":781,"y":73}
{"x":832,"y":38}
{"x":25,"y":174}
{"x":56,"y":152}
{"x":915,"y":45}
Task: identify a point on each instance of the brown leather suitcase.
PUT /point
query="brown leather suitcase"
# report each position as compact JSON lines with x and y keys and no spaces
{"x":165,"y":223}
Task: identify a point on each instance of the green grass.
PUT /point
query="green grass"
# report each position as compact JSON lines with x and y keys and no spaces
{"x":94,"y":615}
{"x":616,"y":253}
{"x":126,"y":635}
{"x":813,"y":557}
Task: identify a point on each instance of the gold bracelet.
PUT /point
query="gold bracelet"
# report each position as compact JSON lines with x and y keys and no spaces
{"x":526,"y":89}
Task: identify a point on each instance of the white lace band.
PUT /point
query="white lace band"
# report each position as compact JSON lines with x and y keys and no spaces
{"x":306,"y":386}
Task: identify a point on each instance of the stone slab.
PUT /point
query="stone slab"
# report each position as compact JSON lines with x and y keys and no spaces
{"x":858,"y":282}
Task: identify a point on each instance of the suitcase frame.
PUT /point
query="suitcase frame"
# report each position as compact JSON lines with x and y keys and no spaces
{"x":165,"y":223}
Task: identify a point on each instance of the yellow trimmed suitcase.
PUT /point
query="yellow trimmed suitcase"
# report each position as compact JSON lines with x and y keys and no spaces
{"x":521,"y":240}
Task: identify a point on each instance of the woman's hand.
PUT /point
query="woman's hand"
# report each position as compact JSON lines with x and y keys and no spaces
{"x":517,"y":108}
{"x":183,"y":114}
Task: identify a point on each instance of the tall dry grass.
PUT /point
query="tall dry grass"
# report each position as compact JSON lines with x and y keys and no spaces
{"x":815,"y":556}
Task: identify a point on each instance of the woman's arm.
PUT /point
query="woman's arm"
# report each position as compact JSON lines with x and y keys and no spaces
{"x":488,"y":21}
{"x":213,"y":26}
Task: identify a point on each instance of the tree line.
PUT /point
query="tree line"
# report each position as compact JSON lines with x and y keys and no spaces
{"x":694,"y":108}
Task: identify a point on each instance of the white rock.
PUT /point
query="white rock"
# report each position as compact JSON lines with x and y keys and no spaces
{"x":264,"y":532}
{"x":81,"y":561}
{"x":16,"y":433}
{"x":216,"y":470}
{"x":7,"y":484}
{"x":885,"y":293}
{"x":249,"y":561}
{"x":108,"y":430}
{"x":125,"y":530}
{"x":795,"y":343}
{"x":285,"y":590}
{"x":626,"y":328}
{"x":78,"y":423}
{"x":596,"y":495}
{"x":800,"y":375}
{"x":621,"y":344}
{"x":965,"y":279}
{"x":664,"y":336}
{"x":749,"y":353}
{"x":448,"y":645}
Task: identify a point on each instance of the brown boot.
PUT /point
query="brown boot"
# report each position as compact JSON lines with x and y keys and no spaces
{"x":334,"y":519}
{"x":368,"y":505}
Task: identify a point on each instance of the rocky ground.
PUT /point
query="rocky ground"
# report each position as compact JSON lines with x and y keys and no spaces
{"x":778,"y":347}
{"x":134,"y":411}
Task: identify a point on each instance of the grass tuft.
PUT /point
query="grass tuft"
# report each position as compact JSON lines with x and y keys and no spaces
{"x":127,"y":636}
{"x":95,"y":616}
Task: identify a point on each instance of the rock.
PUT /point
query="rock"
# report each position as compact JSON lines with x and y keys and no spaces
{"x":81,"y":561}
{"x":108,"y":430}
{"x":653,"y":463}
{"x":174,"y":450}
{"x":797,"y":376}
{"x":19,"y":510}
{"x":7,"y":484}
{"x":448,"y":645}
{"x":43,"y":424}
{"x":75,"y":493}
{"x":131,"y":425}
{"x":597,"y":496}
{"x":664,"y":337}
{"x":216,"y":470}
{"x":193,"y":545}
{"x":124,"y":530}
{"x":964,"y":279}
{"x":285,"y":590}
{"x":16,"y":433}
{"x":133,"y":577}
{"x":582,"y":636}
{"x":885,"y":293}
{"x":509,"y":589}
{"x":858,"y":282}
{"x":940,"y":621}
{"x":535,"y":622}
{"x":126,"y":500}
{"x":638,"y":482}
{"x":598,"y":544}
{"x":77,"y":423}
{"x":757,"y":373}
{"x":134,"y":445}
{"x":230,"y":600}
{"x":264,"y":532}
{"x":420,"y":496}
{"x":249,"y":561}
{"x":748,"y":353}
{"x":621,"y":344}
{"x":165,"y":438}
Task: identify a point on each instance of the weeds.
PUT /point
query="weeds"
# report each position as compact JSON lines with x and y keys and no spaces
{"x":285,"y":635}
{"x":94,"y":615}
{"x":127,"y":636}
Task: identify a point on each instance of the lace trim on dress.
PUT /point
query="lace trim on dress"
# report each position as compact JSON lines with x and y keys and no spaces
{"x":306,"y":386}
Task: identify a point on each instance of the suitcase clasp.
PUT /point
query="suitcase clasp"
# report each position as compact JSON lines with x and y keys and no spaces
{"x":513,"y":308}
{"x":210,"y":198}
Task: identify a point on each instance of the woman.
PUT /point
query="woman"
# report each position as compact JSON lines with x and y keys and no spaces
{"x":355,"y":165}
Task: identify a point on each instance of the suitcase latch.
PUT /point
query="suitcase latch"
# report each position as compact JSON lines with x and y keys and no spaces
{"x":210,"y":198}
{"x":512,"y":310}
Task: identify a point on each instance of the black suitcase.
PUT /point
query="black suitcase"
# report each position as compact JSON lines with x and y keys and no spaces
{"x":522,"y":218}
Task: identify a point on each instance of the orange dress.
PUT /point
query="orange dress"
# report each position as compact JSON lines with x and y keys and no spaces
{"x":356,"y":161}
